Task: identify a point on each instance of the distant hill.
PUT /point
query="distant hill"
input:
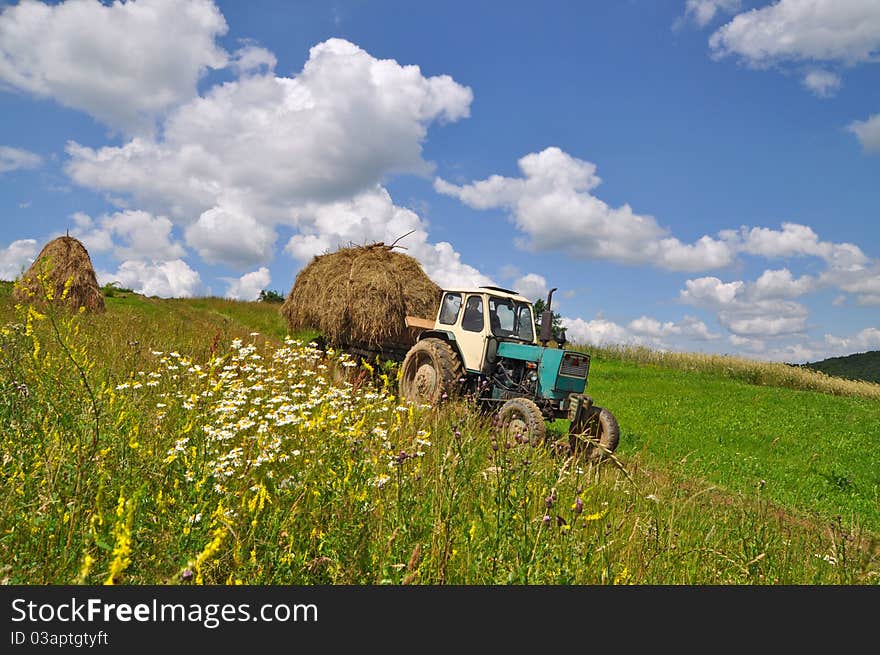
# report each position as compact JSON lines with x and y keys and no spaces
{"x":860,"y":366}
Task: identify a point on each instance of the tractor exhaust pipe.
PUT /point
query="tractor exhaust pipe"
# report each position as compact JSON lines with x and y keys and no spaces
{"x":547,"y":320}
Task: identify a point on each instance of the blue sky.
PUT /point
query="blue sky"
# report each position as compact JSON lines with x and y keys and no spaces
{"x":699,"y":175}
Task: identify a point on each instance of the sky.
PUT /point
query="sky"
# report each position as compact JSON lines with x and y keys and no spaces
{"x":690,"y":175}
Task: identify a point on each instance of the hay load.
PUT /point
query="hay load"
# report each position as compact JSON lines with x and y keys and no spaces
{"x":61,"y":260}
{"x":358,"y":298}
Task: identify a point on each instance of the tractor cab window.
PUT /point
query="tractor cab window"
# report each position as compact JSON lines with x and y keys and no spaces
{"x":525,"y":322}
{"x":450,"y":308}
{"x":501,"y":317}
{"x":473,"y":314}
{"x":509,"y":318}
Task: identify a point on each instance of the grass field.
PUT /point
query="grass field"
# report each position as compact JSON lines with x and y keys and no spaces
{"x":808,"y":451}
{"x":191,"y":441}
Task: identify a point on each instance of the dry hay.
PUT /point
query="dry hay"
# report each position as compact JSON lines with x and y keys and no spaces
{"x":62,"y":261}
{"x":359,"y":296}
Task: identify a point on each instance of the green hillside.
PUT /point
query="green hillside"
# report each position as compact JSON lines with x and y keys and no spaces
{"x":860,"y":366}
{"x":192,"y":441}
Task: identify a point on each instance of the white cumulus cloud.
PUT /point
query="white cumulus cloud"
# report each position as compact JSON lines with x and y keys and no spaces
{"x":372,"y":217}
{"x":867,"y":339}
{"x":15,"y":158}
{"x":764,"y":319}
{"x":124,"y":63}
{"x":16,"y":258}
{"x":822,"y":83}
{"x":651,"y":327}
{"x":744,"y":310}
{"x":795,"y":30}
{"x":867,"y":132}
{"x":864,"y":281}
{"x":253,"y":58}
{"x":231,"y":237}
{"x":249,"y":285}
{"x":265,"y":143}
{"x":702,"y":12}
{"x":552,"y":205}
{"x":169,"y":279}
{"x":129,"y":234}
{"x":689,"y":327}
{"x":533,"y":286}
{"x":597,"y":332}
{"x":799,"y":240}
{"x":781,"y":284}
{"x":710,"y":291}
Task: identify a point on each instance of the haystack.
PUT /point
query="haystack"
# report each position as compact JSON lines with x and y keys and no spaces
{"x":62,"y":259}
{"x":359,"y":296}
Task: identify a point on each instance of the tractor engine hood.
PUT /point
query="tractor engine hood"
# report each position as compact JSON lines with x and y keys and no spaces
{"x":560,"y":372}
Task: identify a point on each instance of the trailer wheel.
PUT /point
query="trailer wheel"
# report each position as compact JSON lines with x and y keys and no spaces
{"x":599,"y":426}
{"x":522,"y":422}
{"x":431,"y":372}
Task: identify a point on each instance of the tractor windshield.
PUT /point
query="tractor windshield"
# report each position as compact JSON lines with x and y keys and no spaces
{"x":511,"y":319}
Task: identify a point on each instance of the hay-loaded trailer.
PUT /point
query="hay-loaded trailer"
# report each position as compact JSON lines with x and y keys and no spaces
{"x":482,"y":342}
{"x":358,"y":299}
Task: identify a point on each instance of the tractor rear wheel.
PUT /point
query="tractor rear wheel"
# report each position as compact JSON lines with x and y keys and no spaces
{"x":522,"y":422}
{"x":431,"y":372}
{"x":598,"y":434}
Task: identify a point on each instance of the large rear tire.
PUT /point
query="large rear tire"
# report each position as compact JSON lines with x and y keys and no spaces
{"x":522,"y":422}
{"x":598,"y":427}
{"x":431,"y":372}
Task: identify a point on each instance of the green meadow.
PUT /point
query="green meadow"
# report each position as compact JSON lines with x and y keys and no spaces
{"x":196,"y":442}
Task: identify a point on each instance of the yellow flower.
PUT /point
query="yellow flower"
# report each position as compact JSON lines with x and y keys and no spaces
{"x":122,"y":534}
{"x":88,"y":560}
{"x":622,"y":577}
{"x":598,"y":515}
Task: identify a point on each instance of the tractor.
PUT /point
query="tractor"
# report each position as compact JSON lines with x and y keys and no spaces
{"x":482,"y":343}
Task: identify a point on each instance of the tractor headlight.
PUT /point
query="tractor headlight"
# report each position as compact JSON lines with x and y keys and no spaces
{"x":533,"y":376}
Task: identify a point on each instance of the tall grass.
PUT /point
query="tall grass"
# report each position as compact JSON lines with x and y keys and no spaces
{"x":154,"y":446}
{"x":739,"y":368}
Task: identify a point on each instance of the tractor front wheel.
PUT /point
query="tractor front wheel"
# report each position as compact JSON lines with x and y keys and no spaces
{"x":597,"y":435}
{"x":522,"y":422}
{"x":431,"y":372}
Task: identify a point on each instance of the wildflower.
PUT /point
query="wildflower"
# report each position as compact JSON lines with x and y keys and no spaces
{"x":122,"y":533}
{"x":578,"y":505}
{"x":622,"y":577}
{"x":88,"y":560}
{"x":546,"y":520}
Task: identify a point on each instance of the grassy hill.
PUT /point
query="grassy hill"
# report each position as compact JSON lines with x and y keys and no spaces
{"x":860,"y":366}
{"x":188,"y":441}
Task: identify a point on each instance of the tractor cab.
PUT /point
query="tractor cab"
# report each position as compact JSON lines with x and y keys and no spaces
{"x":476,"y":320}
